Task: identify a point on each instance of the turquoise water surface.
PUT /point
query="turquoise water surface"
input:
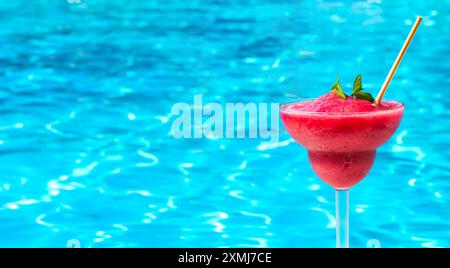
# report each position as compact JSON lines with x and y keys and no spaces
{"x":86,"y":91}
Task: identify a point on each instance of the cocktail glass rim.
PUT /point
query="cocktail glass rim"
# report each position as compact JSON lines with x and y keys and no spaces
{"x":349,"y":114}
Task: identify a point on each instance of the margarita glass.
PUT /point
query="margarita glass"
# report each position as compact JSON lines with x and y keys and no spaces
{"x":341,"y":137}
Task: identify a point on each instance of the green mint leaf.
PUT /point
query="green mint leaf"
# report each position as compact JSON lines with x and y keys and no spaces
{"x":337,"y":88}
{"x":357,"y":85}
{"x":358,"y":90}
{"x":363,"y":96}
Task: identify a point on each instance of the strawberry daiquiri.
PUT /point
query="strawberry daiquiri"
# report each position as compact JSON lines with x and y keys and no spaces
{"x":341,"y":135}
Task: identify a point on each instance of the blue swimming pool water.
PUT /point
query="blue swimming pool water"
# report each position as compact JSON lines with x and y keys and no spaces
{"x":86,"y":91}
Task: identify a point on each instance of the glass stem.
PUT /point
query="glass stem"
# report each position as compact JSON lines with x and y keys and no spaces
{"x":342,"y":218}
